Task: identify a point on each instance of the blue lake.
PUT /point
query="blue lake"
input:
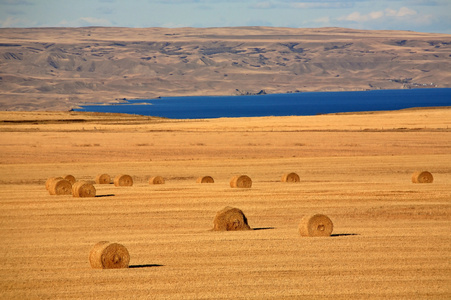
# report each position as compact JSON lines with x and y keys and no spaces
{"x":296,"y":104}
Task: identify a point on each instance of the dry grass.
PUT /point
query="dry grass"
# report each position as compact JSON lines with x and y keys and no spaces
{"x":390,"y":239}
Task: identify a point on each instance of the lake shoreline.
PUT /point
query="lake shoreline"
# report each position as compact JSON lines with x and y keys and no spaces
{"x":279,"y":104}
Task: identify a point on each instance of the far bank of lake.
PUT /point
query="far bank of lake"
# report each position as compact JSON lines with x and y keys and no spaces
{"x":296,"y":104}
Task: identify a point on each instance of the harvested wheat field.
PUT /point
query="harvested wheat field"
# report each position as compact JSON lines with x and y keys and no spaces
{"x":391,"y":238}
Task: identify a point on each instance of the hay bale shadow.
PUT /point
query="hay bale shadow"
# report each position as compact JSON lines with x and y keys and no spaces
{"x":263,"y":228}
{"x":108,"y":195}
{"x":144,"y":266}
{"x":343,"y":234}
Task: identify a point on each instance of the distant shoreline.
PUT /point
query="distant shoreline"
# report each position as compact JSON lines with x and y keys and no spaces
{"x":125,"y":99}
{"x":299,"y":104}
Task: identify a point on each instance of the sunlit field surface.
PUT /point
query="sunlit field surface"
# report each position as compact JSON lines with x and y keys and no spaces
{"x":391,"y":237}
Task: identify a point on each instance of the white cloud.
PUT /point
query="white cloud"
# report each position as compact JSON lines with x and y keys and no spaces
{"x":358,"y":17}
{"x":402,"y":12}
{"x":95,"y":21}
{"x":353,"y":17}
{"x":403,"y":18}
{"x":16,"y":22}
{"x":322,"y":20}
{"x":378,"y":15}
{"x":9,"y":22}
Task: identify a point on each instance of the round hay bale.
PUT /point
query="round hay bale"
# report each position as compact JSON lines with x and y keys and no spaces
{"x":83,"y":189}
{"x":230,"y":219}
{"x":60,"y":187}
{"x":291,"y":177}
{"x":103,"y":179}
{"x":205,"y":179}
{"x":123,"y":180}
{"x":241,"y":181}
{"x":106,"y":255}
{"x":70,"y":178}
{"x":156,"y":180}
{"x":49,"y":182}
{"x":422,"y":177}
{"x":316,"y":225}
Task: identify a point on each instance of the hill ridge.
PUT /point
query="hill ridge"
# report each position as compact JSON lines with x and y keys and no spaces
{"x":60,"y":68}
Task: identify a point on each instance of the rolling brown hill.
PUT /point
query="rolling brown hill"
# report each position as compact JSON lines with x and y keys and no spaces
{"x":60,"y":68}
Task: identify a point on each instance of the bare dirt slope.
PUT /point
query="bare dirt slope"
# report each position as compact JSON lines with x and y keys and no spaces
{"x":60,"y":68}
{"x":391,"y":238}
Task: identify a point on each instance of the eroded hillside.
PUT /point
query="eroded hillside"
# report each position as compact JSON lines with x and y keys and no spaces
{"x":60,"y":68}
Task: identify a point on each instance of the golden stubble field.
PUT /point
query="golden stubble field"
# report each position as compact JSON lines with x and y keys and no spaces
{"x":391,"y":238}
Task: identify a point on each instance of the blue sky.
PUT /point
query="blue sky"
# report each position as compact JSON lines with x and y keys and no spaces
{"x":416,"y":15}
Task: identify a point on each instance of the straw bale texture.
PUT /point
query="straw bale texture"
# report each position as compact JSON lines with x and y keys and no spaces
{"x":241,"y":181}
{"x":230,"y":219}
{"x":70,"y":178}
{"x":106,"y":255}
{"x":123,"y":180}
{"x":83,"y":189}
{"x":290,"y":177}
{"x":316,"y":225}
{"x":49,"y":182}
{"x":205,"y":179}
{"x":60,"y":187}
{"x":422,"y":177}
{"x":103,"y":179}
{"x":156,"y":180}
